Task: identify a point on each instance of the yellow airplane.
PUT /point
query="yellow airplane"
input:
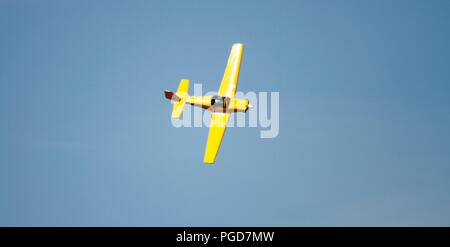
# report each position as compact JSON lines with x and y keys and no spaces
{"x":221,"y":105}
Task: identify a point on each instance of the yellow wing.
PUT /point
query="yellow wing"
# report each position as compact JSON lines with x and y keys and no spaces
{"x":231,"y":75}
{"x":216,"y":130}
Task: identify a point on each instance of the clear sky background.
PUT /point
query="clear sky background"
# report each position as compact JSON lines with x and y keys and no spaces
{"x":86,"y":136}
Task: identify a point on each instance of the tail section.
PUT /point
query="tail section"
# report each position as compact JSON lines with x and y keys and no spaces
{"x":178,"y":98}
{"x":178,"y":108}
{"x":183,"y":88}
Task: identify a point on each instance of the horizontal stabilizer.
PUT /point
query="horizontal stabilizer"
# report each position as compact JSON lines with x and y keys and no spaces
{"x":178,"y":98}
{"x":178,"y":108}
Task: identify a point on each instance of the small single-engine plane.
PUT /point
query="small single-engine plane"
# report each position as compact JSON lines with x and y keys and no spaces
{"x":221,"y":105}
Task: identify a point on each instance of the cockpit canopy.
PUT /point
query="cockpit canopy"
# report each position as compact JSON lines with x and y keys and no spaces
{"x":220,"y":103}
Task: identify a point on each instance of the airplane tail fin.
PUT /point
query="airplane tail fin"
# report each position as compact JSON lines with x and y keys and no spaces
{"x":179,"y":98}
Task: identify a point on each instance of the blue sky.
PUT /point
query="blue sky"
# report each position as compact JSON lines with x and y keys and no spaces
{"x":86,"y":136}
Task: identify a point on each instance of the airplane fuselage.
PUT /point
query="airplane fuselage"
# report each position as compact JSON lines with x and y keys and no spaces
{"x":218,"y":103}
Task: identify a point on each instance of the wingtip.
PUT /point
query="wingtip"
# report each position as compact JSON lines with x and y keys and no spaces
{"x":208,"y":161}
